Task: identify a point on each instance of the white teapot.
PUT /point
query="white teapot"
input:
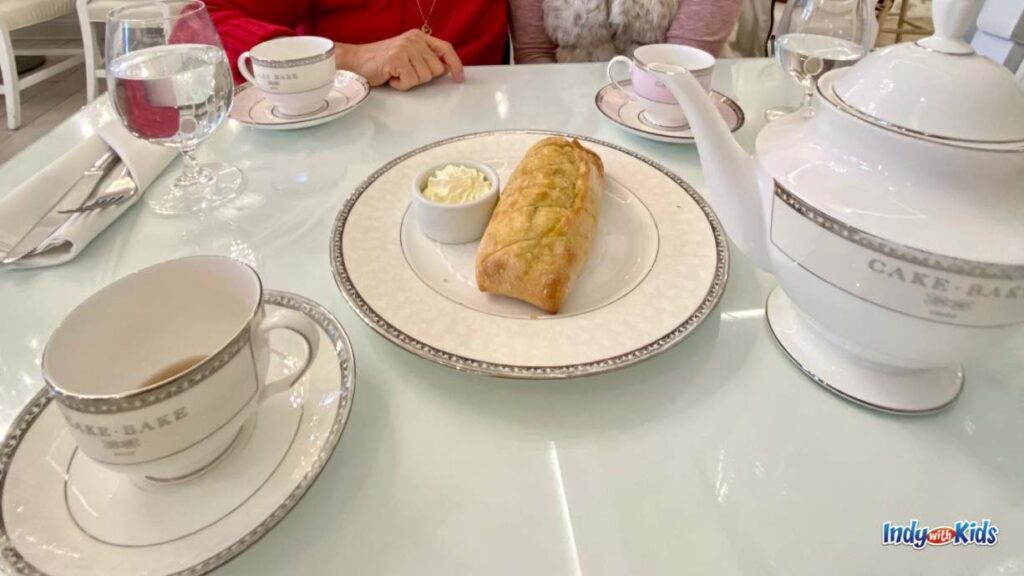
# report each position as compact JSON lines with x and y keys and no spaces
{"x":892,"y":217}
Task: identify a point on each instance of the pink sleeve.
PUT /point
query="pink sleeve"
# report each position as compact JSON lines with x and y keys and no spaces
{"x":704,"y":24}
{"x":530,"y":40}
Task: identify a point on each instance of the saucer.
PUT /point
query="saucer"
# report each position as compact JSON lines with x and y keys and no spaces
{"x":630,"y":116}
{"x":253,"y":109}
{"x":61,"y":513}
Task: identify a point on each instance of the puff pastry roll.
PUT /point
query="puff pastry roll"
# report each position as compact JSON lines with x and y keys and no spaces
{"x":540,"y":232}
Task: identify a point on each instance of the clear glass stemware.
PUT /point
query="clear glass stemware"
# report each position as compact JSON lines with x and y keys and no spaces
{"x":815,"y":36}
{"x":170,"y":83}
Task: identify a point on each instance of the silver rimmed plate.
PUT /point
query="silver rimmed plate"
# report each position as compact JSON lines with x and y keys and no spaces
{"x":251,"y":107}
{"x":657,"y":268}
{"x":630,"y":116}
{"x":64,"y":515}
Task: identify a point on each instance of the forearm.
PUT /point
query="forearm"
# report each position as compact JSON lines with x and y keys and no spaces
{"x":530,"y":40}
{"x":535,"y":55}
{"x":346,"y":56}
{"x":704,"y":24}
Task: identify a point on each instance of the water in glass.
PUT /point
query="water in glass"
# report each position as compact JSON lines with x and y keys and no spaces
{"x":170,"y":82}
{"x":815,"y":36}
{"x":172,"y":95}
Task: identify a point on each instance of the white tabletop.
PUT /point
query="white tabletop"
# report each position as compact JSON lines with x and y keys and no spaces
{"x":718,"y":457}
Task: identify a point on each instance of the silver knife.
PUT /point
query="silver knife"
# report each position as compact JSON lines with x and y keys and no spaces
{"x":73,"y":198}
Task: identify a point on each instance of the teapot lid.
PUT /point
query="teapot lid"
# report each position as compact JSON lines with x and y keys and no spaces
{"x":937,"y":87}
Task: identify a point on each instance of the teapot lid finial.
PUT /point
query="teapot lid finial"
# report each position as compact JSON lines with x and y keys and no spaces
{"x":951,"y":19}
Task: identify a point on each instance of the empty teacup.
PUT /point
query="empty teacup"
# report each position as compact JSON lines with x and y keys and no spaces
{"x":294,"y":72}
{"x":660,"y":106}
{"x":156,"y":373}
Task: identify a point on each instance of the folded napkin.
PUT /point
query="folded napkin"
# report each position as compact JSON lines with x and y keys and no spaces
{"x":33,"y":198}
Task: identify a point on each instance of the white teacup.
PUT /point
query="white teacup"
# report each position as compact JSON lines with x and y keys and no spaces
{"x":650,"y":93}
{"x":294,"y":72}
{"x":157,"y":372}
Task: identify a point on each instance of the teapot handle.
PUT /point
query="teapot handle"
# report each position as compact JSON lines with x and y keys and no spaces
{"x":952,"y":18}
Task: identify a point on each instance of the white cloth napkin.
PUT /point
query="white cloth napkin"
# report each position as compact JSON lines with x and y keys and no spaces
{"x":33,"y":198}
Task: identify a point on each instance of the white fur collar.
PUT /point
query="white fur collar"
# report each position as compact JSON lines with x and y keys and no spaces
{"x":589,"y":30}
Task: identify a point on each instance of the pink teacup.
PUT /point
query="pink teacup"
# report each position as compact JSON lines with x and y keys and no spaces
{"x":650,"y":93}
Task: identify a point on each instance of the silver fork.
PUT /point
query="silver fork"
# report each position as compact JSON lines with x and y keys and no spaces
{"x":119,"y":191}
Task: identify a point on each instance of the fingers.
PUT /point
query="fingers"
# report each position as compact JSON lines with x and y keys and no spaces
{"x":429,"y":58}
{"x":446,"y":52}
{"x":415,"y":58}
{"x":413,"y":70}
{"x":437,"y":67}
{"x":422,"y":68}
{"x":398,"y":84}
{"x":404,"y":75}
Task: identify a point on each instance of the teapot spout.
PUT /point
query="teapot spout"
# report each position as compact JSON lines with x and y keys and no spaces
{"x":739,"y":191}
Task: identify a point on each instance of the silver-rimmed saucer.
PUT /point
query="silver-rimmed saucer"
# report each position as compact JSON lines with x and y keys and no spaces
{"x":630,"y":116}
{"x":60,"y":513}
{"x":253,"y":109}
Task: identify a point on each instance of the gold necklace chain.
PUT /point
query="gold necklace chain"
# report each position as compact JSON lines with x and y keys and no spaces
{"x":426,"y":29}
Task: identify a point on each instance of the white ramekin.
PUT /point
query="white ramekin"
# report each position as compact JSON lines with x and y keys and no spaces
{"x":454,"y":223}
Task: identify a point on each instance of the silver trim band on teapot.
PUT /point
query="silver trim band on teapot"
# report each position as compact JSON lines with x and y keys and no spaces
{"x":1011,"y":146}
{"x":951,"y":264}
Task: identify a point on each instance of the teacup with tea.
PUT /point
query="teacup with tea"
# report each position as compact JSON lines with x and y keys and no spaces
{"x":156,"y":373}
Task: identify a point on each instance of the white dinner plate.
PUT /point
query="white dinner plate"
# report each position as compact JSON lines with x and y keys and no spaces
{"x":657,"y":268}
{"x":251,"y":107}
{"x":62,"y":514}
{"x":630,"y":116}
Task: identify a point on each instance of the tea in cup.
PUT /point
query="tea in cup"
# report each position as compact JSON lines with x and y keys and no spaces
{"x":660,"y":106}
{"x":295,"y":73}
{"x":156,"y":373}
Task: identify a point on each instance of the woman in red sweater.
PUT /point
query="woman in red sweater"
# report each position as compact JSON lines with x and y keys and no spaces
{"x":402,"y":43}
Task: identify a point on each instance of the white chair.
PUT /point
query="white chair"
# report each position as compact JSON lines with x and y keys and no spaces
{"x":904,"y":25}
{"x":92,"y":17}
{"x":15,"y":14}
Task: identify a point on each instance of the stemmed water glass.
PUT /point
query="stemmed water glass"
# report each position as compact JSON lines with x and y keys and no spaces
{"x":170,"y":82}
{"x":815,"y":36}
